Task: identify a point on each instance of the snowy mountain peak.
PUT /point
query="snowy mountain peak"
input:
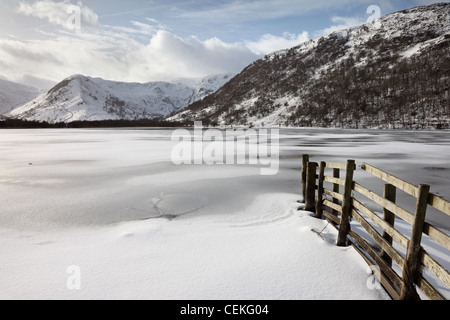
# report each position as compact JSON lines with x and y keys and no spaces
{"x":390,"y":73}
{"x":79,"y":97}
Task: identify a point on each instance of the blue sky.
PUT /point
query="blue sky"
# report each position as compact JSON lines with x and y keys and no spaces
{"x":147,"y":40}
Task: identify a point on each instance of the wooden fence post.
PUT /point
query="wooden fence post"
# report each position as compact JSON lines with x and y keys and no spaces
{"x":411,"y":267}
{"x":389,"y":217}
{"x":310,"y":204}
{"x":319,"y":203}
{"x":305,"y":160}
{"x":344,"y":227}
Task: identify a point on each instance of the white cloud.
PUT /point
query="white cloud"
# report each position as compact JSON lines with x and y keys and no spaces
{"x":143,"y":51}
{"x":269,"y":43}
{"x":249,"y":10}
{"x":115,"y":55}
{"x":145,"y":28}
{"x":170,"y":56}
{"x":427,"y":2}
{"x":59,"y":13}
{"x":341,"y":23}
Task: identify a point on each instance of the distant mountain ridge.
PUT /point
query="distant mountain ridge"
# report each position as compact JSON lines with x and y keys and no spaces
{"x":13,"y":95}
{"x":392,"y":73}
{"x":82,"y":98}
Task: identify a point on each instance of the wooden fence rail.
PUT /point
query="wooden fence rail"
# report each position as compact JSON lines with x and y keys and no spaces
{"x":339,"y":205}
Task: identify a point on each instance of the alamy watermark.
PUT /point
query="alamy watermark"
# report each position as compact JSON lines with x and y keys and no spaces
{"x":74,"y":280}
{"x":73,"y":21}
{"x":256,"y":147}
{"x":375,"y":15}
{"x":374,"y":280}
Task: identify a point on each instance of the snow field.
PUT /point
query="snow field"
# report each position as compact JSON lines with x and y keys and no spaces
{"x":272,"y":255}
{"x":111,"y":203}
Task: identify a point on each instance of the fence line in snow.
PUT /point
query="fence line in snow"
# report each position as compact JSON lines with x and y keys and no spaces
{"x":407,"y":253}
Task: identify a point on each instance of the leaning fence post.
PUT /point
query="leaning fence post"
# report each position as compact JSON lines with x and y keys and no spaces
{"x":305,"y":160}
{"x":319,"y":203}
{"x":389,"y":217}
{"x":411,"y":267}
{"x":310,"y":204}
{"x":344,"y":227}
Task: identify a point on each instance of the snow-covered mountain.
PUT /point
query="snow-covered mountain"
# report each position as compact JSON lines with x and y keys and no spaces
{"x":391,"y":73}
{"x":13,"y":95}
{"x":81,"y":98}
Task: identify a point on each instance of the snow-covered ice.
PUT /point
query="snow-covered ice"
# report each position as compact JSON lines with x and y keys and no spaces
{"x":111,"y":203}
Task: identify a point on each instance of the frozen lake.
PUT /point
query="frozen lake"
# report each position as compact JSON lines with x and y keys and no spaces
{"x":63,"y":178}
{"x":114,"y":203}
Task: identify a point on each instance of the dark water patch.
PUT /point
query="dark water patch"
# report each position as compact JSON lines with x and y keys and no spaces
{"x":436,"y":168}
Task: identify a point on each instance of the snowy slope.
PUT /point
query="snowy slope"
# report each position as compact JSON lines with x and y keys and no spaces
{"x":13,"y":95}
{"x":84,"y":98}
{"x":391,"y":73}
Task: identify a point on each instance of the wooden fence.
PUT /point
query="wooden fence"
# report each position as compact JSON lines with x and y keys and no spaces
{"x":407,"y":253}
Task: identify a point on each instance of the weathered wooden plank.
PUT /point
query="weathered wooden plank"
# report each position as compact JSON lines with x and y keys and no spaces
{"x":335,"y":180}
{"x":391,"y":274}
{"x":389,"y":178}
{"x":433,"y":200}
{"x":394,"y":233}
{"x":336,"y":174}
{"x":398,"y":211}
{"x":384,"y":280}
{"x":385,"y":246}
{"x":333,"y":194}
{"x":331,"y":217}
{"x":429,"y":290}
{"x":332,"y":205}
{"x":437,"y":235}
{"x":436,"y":268}
{"x":439,"y":203}
{"x":332,"y":165}
{"x":370,"y":262}
{"x":433,"y":232}
{"x":387,"y":285}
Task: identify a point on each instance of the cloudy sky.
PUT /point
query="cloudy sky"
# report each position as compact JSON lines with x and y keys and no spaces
{"x":44,"y":41}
